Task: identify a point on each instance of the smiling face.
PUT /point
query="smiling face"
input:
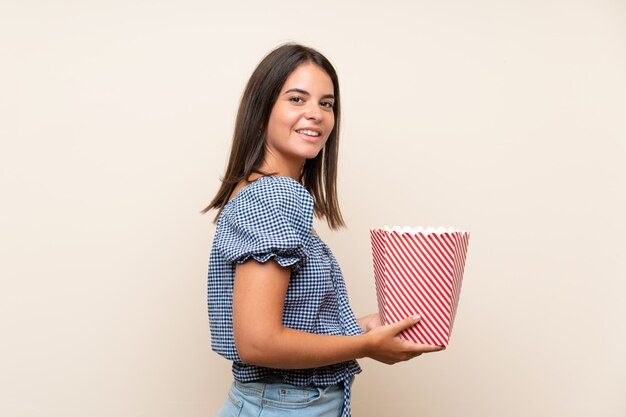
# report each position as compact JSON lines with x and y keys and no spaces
{"x":301,"y":120}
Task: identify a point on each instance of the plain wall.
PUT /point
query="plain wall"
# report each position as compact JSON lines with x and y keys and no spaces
{"x":504,"y":118}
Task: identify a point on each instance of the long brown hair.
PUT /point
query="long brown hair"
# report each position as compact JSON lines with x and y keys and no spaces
{"x":319,"y":175}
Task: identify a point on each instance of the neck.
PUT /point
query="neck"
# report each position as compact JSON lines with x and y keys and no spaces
{"x":284,"y":168}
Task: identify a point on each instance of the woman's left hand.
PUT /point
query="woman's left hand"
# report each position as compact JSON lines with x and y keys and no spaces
{"x":369,"y":322}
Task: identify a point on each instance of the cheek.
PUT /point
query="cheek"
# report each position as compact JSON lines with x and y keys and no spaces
{"x":331,"y":124}
{"x":283,"y":120}
{"x":331,"y":119}
{"x":274,"y":126}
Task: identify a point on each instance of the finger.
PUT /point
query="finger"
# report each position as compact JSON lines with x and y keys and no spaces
{"x":405,"y":324}
{"x":429,"y":348}
{"x":421,"y":348}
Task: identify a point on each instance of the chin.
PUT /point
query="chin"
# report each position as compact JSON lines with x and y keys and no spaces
{"x":312,"y":155}
{"x":308,"y":153}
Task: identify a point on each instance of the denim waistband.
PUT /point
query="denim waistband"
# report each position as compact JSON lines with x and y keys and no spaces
{"x":258,"y":387}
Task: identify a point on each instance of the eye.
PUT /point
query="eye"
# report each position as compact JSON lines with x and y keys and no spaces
{"x":296,"y":99}
{"x":328,"y":104}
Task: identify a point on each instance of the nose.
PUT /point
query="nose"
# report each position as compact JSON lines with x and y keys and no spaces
{"x":313,"y":112}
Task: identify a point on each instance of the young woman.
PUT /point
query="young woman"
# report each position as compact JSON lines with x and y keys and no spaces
{"x":278,"y":305}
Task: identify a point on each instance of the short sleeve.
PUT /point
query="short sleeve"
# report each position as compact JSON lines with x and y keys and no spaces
{"x":270,"y":218}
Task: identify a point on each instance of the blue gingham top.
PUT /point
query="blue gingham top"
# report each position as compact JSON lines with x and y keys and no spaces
{"x":272,"y":218}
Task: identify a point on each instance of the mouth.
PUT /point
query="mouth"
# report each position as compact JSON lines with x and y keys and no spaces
{"x":309,"y":132}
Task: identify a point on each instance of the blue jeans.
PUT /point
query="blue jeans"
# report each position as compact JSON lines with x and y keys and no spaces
{"x":272,"y":397}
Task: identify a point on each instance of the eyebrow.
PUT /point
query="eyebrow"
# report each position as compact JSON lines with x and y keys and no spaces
{"x":301,"y":91}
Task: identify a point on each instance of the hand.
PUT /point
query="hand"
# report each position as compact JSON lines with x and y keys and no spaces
{"x":384,"y":344}
{"x":369,"y":322}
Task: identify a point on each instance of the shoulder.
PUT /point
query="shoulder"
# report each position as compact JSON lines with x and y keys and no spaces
{"x":270,"y":198}
{"x":277,"y":192}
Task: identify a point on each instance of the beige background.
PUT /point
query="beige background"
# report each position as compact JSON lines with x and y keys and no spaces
{"x":506,"y":118}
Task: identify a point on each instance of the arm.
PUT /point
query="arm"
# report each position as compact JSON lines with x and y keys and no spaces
{"x":262,"y":340}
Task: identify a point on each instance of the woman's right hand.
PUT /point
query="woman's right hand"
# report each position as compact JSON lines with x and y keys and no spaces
{"x":384,"y":345}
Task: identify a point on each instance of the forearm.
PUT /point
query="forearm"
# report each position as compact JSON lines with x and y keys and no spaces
{"x":292,"y":349}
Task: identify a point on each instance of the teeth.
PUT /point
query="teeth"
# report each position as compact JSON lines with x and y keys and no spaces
{"x":308,"y":132}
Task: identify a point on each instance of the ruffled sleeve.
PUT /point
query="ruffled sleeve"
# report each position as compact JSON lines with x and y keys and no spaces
{"x":270,"y":218}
